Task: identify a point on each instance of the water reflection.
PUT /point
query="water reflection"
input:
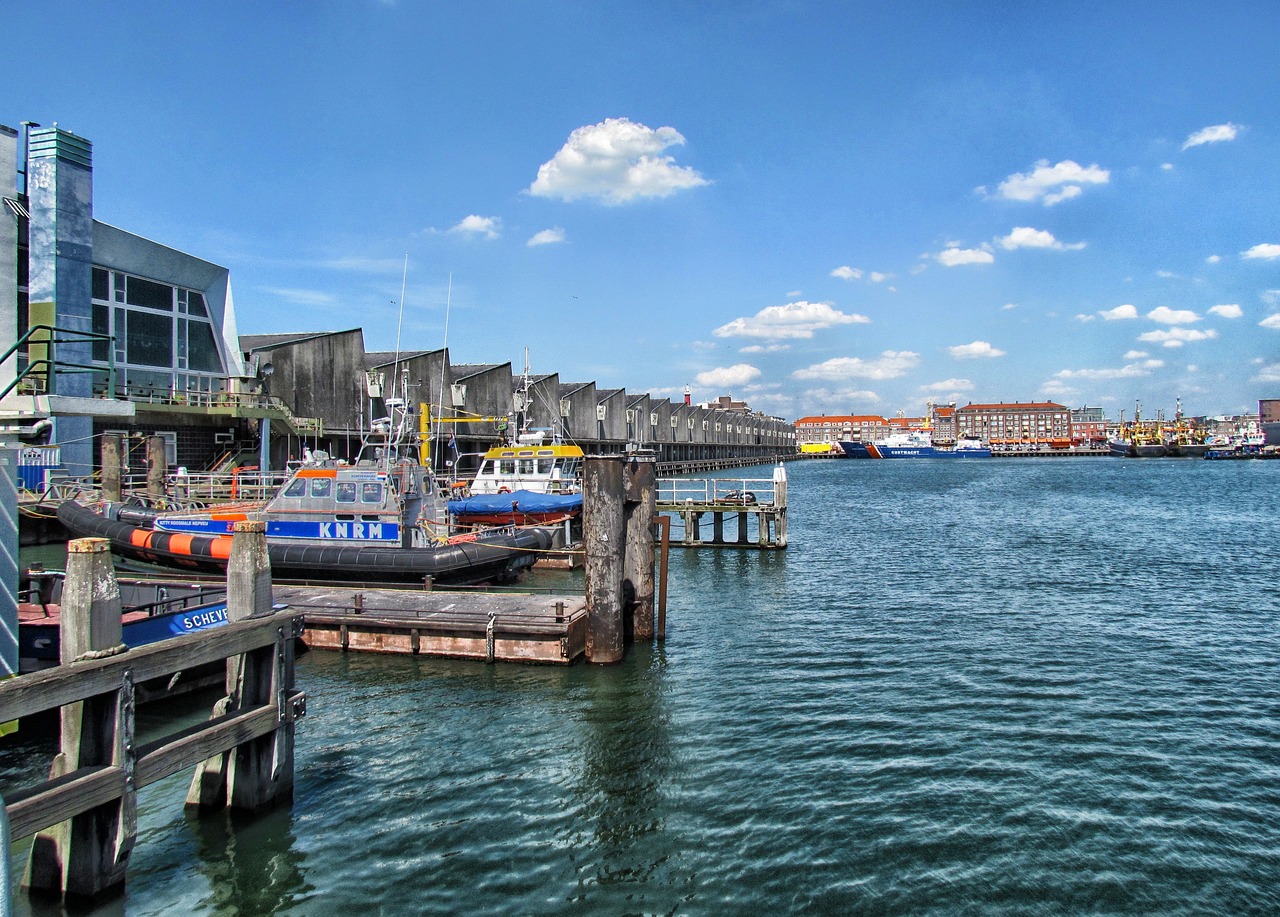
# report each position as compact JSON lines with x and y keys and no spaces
{"x":253,"y":865}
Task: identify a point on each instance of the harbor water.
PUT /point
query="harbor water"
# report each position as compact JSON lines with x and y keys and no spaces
{"x":980,"y":687}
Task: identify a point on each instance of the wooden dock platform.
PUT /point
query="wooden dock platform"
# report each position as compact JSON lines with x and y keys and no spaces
{"x":489,"y":626}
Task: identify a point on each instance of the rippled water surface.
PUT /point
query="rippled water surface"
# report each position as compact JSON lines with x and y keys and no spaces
{"x":989,"y":687}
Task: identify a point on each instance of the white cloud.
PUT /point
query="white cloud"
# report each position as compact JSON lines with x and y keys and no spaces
{"x":474,"y":225}
{"x":727,"y":377}
{"x":1213,"y":259}
{"x":948,"y":385}
{"x":974,"y":350}
{"x":953,"y":257}
{"x":877,"y":277}
{"x":1176,"y":337}
{"x":844,"y":272}
{"x":617,"y":161}
{"x":764,"y":348}
{"x":1266,"y":250}
{"x":1227,"y":310}
{"x":1119,"y":312}
{"x":1166,"y":316}
{"x":794,"y":320}
{"x":546,"y":237}
{"x":1081,"y":317}
{"x":1166,"y":166}
{"x":1052,"y":184}
{"x":889,"y":365}
{"x":1008,"y":305}
{"x":1136,"y":354}
{"x":1215,"y":134}
{"x":1027,"y":237}
{"x":1270,"y":374}
{"x":301,"y":297}
{"x":1129,"y":371}
{"x":1271,"y":321}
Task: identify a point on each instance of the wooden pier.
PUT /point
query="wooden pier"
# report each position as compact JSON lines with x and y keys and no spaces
{"x":494,"y":627}
{"x":752,"y":503}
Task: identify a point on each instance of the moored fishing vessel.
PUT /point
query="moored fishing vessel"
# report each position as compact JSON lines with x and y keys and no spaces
{"x":915,"y":444}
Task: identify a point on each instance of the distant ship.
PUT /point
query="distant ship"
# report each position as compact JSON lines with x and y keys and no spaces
{"x":914,"y":444}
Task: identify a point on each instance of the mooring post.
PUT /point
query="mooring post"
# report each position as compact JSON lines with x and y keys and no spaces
{"x":640,"y":496}
{"x":88,"y":856}
{"x":259,"y":773}
{"x":604,"y":541}
{"x":157,"y":468}
{"x":780,"y":506}
{"x":111,"y":467}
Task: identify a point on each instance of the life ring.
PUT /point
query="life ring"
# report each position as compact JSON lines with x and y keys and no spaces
{"x":504,"y":489}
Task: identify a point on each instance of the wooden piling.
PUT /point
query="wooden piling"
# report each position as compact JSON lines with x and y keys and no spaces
{"x":87,"y":856}
{"x":258,"y":774}
{"x":111,"y":467}
{"x":640,"y":481}
{"x":604,"y":541}
{"x":157,"y":467}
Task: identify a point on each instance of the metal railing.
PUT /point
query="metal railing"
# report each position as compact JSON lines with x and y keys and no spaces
{"x":716,"y":491}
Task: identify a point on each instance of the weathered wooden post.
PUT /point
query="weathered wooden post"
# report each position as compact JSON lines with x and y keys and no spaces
{"x":87,"y":857}
{"x":604,"y":540}
{"x":157,"y":467}
{"x":111,"y":467}
{"x":640,"y":496}
{"x":259,"y":773}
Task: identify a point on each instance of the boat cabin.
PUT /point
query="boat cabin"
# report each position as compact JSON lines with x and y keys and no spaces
{"x":547,"y":469}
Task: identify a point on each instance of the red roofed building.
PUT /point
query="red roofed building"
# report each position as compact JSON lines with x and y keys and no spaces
{"x":832,"y":428}
{"x":1017,"y":422}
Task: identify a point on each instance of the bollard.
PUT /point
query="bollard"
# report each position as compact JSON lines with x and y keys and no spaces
{"x":640,"y":485}
{"x":603,"y":537}
{"x":157,"y":468}
{"x":88,"y":856}
{"x":111,"y":467}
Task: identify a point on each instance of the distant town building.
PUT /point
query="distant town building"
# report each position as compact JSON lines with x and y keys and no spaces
{"x":832,"y":428}
{"x":1007,"y":423}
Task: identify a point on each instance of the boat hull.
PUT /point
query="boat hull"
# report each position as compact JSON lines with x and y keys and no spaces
{"x":495,"y":557}
{"x":883,"y":451}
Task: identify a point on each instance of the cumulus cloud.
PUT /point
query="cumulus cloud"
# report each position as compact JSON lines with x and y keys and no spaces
{"x":1082,"y":317}
{"x":1271,"y":321}
{"x":617,"y":161}
{"x":546,"y":237}
{"x":889,"y":365}
{"x":727,"y":377}
{"x":1136,"y":354}
{"x":1214,"y":134}
{"x":844,"y":272}
{"x":1176,"y":337}
{"x":1213,"y":259}
{"x":948,"y":385}
{"x":1128,"y":371}
{"x":1027,"y":237}
{"x":1166,"y":316}
{"x":793,"y":320}
{"x":953,"y":257}
{"x":1268,"y":251}
{"x":1051,"y":184}
{"x":1227,"y":310}
{"x":474,"y":225}
{"x":1119,"y":312}
{"x":764,"y":348}
{"x":975,"y":350}
{"x":1269,"y":374}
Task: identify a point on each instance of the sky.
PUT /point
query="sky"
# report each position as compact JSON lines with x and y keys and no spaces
{"x":815,"y":207}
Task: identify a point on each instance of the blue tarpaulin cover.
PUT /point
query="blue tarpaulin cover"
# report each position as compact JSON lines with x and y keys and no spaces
{"x":526,"y":501}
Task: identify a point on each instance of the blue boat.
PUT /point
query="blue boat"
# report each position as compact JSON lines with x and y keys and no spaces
{"x":914,"y":444}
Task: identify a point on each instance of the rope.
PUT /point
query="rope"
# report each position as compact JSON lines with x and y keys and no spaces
{"x":103,"y":654}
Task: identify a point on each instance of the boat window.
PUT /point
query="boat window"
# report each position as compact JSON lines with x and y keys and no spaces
{"x":526,"y":466}
{"x":544,"y":466}
{"x":321,"y":487}
{"x":346,"y":492}
{"x":507,"y":466}
{"x":371,"y":492}
{"x":297,"y":489}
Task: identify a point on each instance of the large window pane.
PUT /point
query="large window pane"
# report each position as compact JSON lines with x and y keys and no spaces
{"x":195,"y":305}
{"x":101,"y":325}
{"x":150,"y":338}
{"x":150,"y":294}
{"x":202,"y":350}
{"x":101,"y":284}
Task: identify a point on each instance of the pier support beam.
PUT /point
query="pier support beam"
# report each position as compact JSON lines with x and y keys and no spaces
{"x":256,"y":775}
{"x":110,"y":460}
{"x":157,"y":467}
{"x":604,"y":540}
{"x":640,"y":482}
{"x":87,"y":857}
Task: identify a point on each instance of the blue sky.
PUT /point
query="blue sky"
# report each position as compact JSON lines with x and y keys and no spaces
{"x":817,"y":207}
